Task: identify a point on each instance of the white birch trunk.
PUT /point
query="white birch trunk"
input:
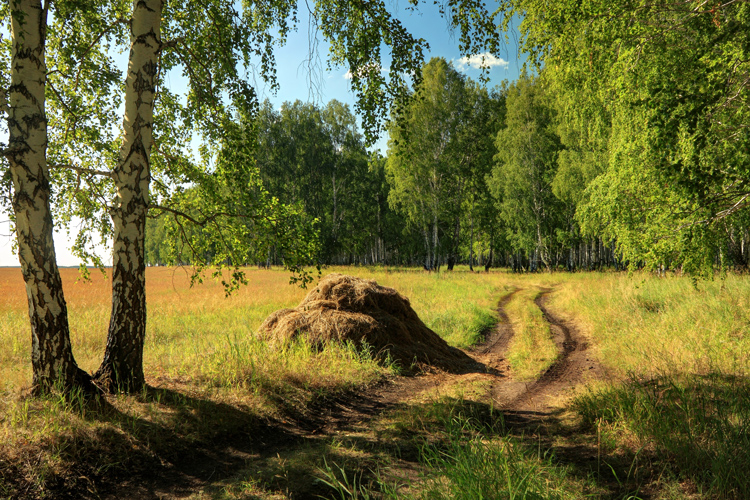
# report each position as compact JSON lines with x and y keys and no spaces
{"x":122,"y":367}
{"x":51,"y":355}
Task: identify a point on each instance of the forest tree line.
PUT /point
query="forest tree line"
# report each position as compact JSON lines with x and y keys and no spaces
{"x":474,"y":176}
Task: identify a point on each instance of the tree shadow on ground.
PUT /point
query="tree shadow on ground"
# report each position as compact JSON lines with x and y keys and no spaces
{"x":698,"y":426}
{"x":160,"y":443}
{"x":416,"y":426}
{"x":165,"y":443}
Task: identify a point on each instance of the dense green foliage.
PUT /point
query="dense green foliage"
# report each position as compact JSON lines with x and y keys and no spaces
{"x":313,"y":161}
{"x":653,"y":111}
{"x":623,"y":144}
{"x":440,"y":149}
{"x":213,"y":54}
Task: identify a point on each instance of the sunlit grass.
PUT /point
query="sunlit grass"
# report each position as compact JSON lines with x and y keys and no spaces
{"x":187,"y":326}
{"x":532,"y":349}
{"x":653,"y":325}
{"x":678,"y":359}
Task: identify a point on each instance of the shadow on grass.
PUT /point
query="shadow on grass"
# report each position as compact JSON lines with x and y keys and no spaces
{"x":696,"y":426}
{"x":456,"y":448}
{"x":164,"y":442}
{"x":159,"y":442}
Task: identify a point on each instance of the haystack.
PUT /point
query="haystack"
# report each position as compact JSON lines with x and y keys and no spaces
{"x":344,"y":308}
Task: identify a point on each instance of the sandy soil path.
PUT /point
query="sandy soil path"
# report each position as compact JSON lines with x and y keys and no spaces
{"x":532,"y":400}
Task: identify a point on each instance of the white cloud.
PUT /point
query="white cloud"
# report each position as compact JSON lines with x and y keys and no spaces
{"x":479,"y":61}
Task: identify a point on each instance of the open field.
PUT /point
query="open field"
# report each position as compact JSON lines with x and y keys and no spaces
{"x":601,"y":385}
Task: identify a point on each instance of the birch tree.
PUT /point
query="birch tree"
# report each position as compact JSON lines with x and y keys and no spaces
{"x":23,"y":105}
{"x":423,"y":166}
{"x":440,"y":150}
{"x":525,"y":168}
{"x":655,"y":98}
{"x":107,"y":178}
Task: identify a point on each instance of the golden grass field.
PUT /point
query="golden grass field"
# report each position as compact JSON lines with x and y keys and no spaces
{"x":638,"y":322}
{"x":176,"y":312}
{"x":201,"y":349}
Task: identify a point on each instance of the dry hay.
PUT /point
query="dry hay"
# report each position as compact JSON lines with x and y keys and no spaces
{"x":344,"y":308}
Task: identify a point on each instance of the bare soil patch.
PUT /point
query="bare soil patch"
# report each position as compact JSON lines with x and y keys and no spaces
{"x":574,"y":366}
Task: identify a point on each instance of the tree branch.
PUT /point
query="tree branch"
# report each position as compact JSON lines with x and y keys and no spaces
{"x":82,"y":170}
{"x":210,"y":218}
{"x":67,"y":108}
{"x":91,"y":46}
{"x":172,"y":43}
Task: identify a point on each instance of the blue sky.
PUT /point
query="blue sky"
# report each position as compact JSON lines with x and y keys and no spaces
{"x":295,"y":82}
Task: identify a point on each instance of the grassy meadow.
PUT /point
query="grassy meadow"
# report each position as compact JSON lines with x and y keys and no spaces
{"x":670,"y":420}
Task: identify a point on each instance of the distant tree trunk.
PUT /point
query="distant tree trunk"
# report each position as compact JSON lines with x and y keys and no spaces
{"x":452,"y":257}
{"x":471,"y":245}
{"x":335,"y":224}
{"x":571,"y":262}
{"x":122,"y":367}
{"x":428,"y":259}
{"x":379,"y":241}
{"x":51,"y":352}
{"x":434,"y":242}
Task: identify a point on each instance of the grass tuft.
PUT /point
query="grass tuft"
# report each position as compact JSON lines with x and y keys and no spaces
{"x":465,"y":453}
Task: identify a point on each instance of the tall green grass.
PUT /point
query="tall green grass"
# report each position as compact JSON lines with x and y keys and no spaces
{"x":653,"y":325}
{"x":697,"y":424}
{"x":466,"y":454}
{"x":532,"y":349}
{"x":679,"y":358}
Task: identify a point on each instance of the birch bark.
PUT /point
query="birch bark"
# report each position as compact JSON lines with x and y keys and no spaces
{"x":51,"y":352}
{"x":122,"y":366}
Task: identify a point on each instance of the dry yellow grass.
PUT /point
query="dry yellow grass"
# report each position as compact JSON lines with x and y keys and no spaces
{"x":176,"y":312}
{"x":191,"y":331}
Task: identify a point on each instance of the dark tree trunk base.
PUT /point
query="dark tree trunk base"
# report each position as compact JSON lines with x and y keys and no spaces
{"x":82,"y":383}
{"x":114,"y":382}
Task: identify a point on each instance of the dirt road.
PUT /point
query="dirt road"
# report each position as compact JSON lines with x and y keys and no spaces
{"x":533,"y":400}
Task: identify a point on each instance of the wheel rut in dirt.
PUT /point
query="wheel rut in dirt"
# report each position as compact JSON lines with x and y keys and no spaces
{"x":562,"y":374}
{"x":568,"y":370}
{"x":496,"y":343}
